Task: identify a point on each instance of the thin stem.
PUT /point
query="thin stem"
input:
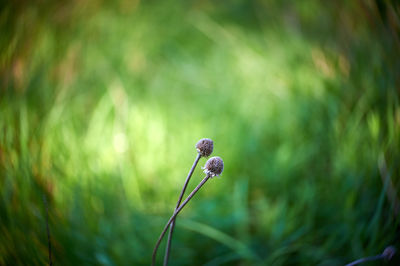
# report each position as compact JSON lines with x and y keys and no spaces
{"x":377,"y":257}
{"x":47,"y":229}
{"x":172,"y":226}
{"x":173,"y":217}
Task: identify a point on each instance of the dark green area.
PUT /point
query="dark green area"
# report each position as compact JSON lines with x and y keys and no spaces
{"x":101,"y":104}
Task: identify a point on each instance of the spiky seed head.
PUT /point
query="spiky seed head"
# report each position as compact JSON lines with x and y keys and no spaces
{"x":214,"y":166}
{"x":389,"y":252}
{"x":205,"y":147}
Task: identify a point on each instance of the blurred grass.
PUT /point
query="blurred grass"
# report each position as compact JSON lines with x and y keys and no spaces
{"x":101,"y":105}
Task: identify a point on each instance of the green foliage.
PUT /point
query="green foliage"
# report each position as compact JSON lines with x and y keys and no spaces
{"x":101,"y":105}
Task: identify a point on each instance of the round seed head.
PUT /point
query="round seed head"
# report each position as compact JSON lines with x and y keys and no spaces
{"x":205,"y":147}
{"x":389,"y":252}
{"x":214,"y":166}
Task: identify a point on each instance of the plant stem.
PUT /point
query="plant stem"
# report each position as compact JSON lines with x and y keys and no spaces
{"x":172,"y":226}
{"x":47,"y":229}
{"x":173,"y":217}
{"x":377,"y":257}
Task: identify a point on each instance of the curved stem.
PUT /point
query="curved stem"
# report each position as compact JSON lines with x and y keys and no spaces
{"x":172,"y":226}
{"x":377,"y":257}
{"x":47,"y":229}
{"x":173,"y":217}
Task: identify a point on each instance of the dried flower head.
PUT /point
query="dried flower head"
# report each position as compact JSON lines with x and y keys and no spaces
{"x":205,"y":147}
{"x":389,"y":252}
{"x":214,"y":166}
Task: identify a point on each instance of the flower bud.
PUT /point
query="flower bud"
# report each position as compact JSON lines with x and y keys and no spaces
{"x":389,"y":252}
{"x":214,"y":166}
{"x":205,"y":147}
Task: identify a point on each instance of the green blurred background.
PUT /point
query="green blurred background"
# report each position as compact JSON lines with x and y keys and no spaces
{"x":102,"y":103}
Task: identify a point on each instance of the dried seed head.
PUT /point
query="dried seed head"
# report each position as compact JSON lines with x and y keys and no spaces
{"x":214,"y":166}
{"x":205,"y":147}
{"x":389,"y":252}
